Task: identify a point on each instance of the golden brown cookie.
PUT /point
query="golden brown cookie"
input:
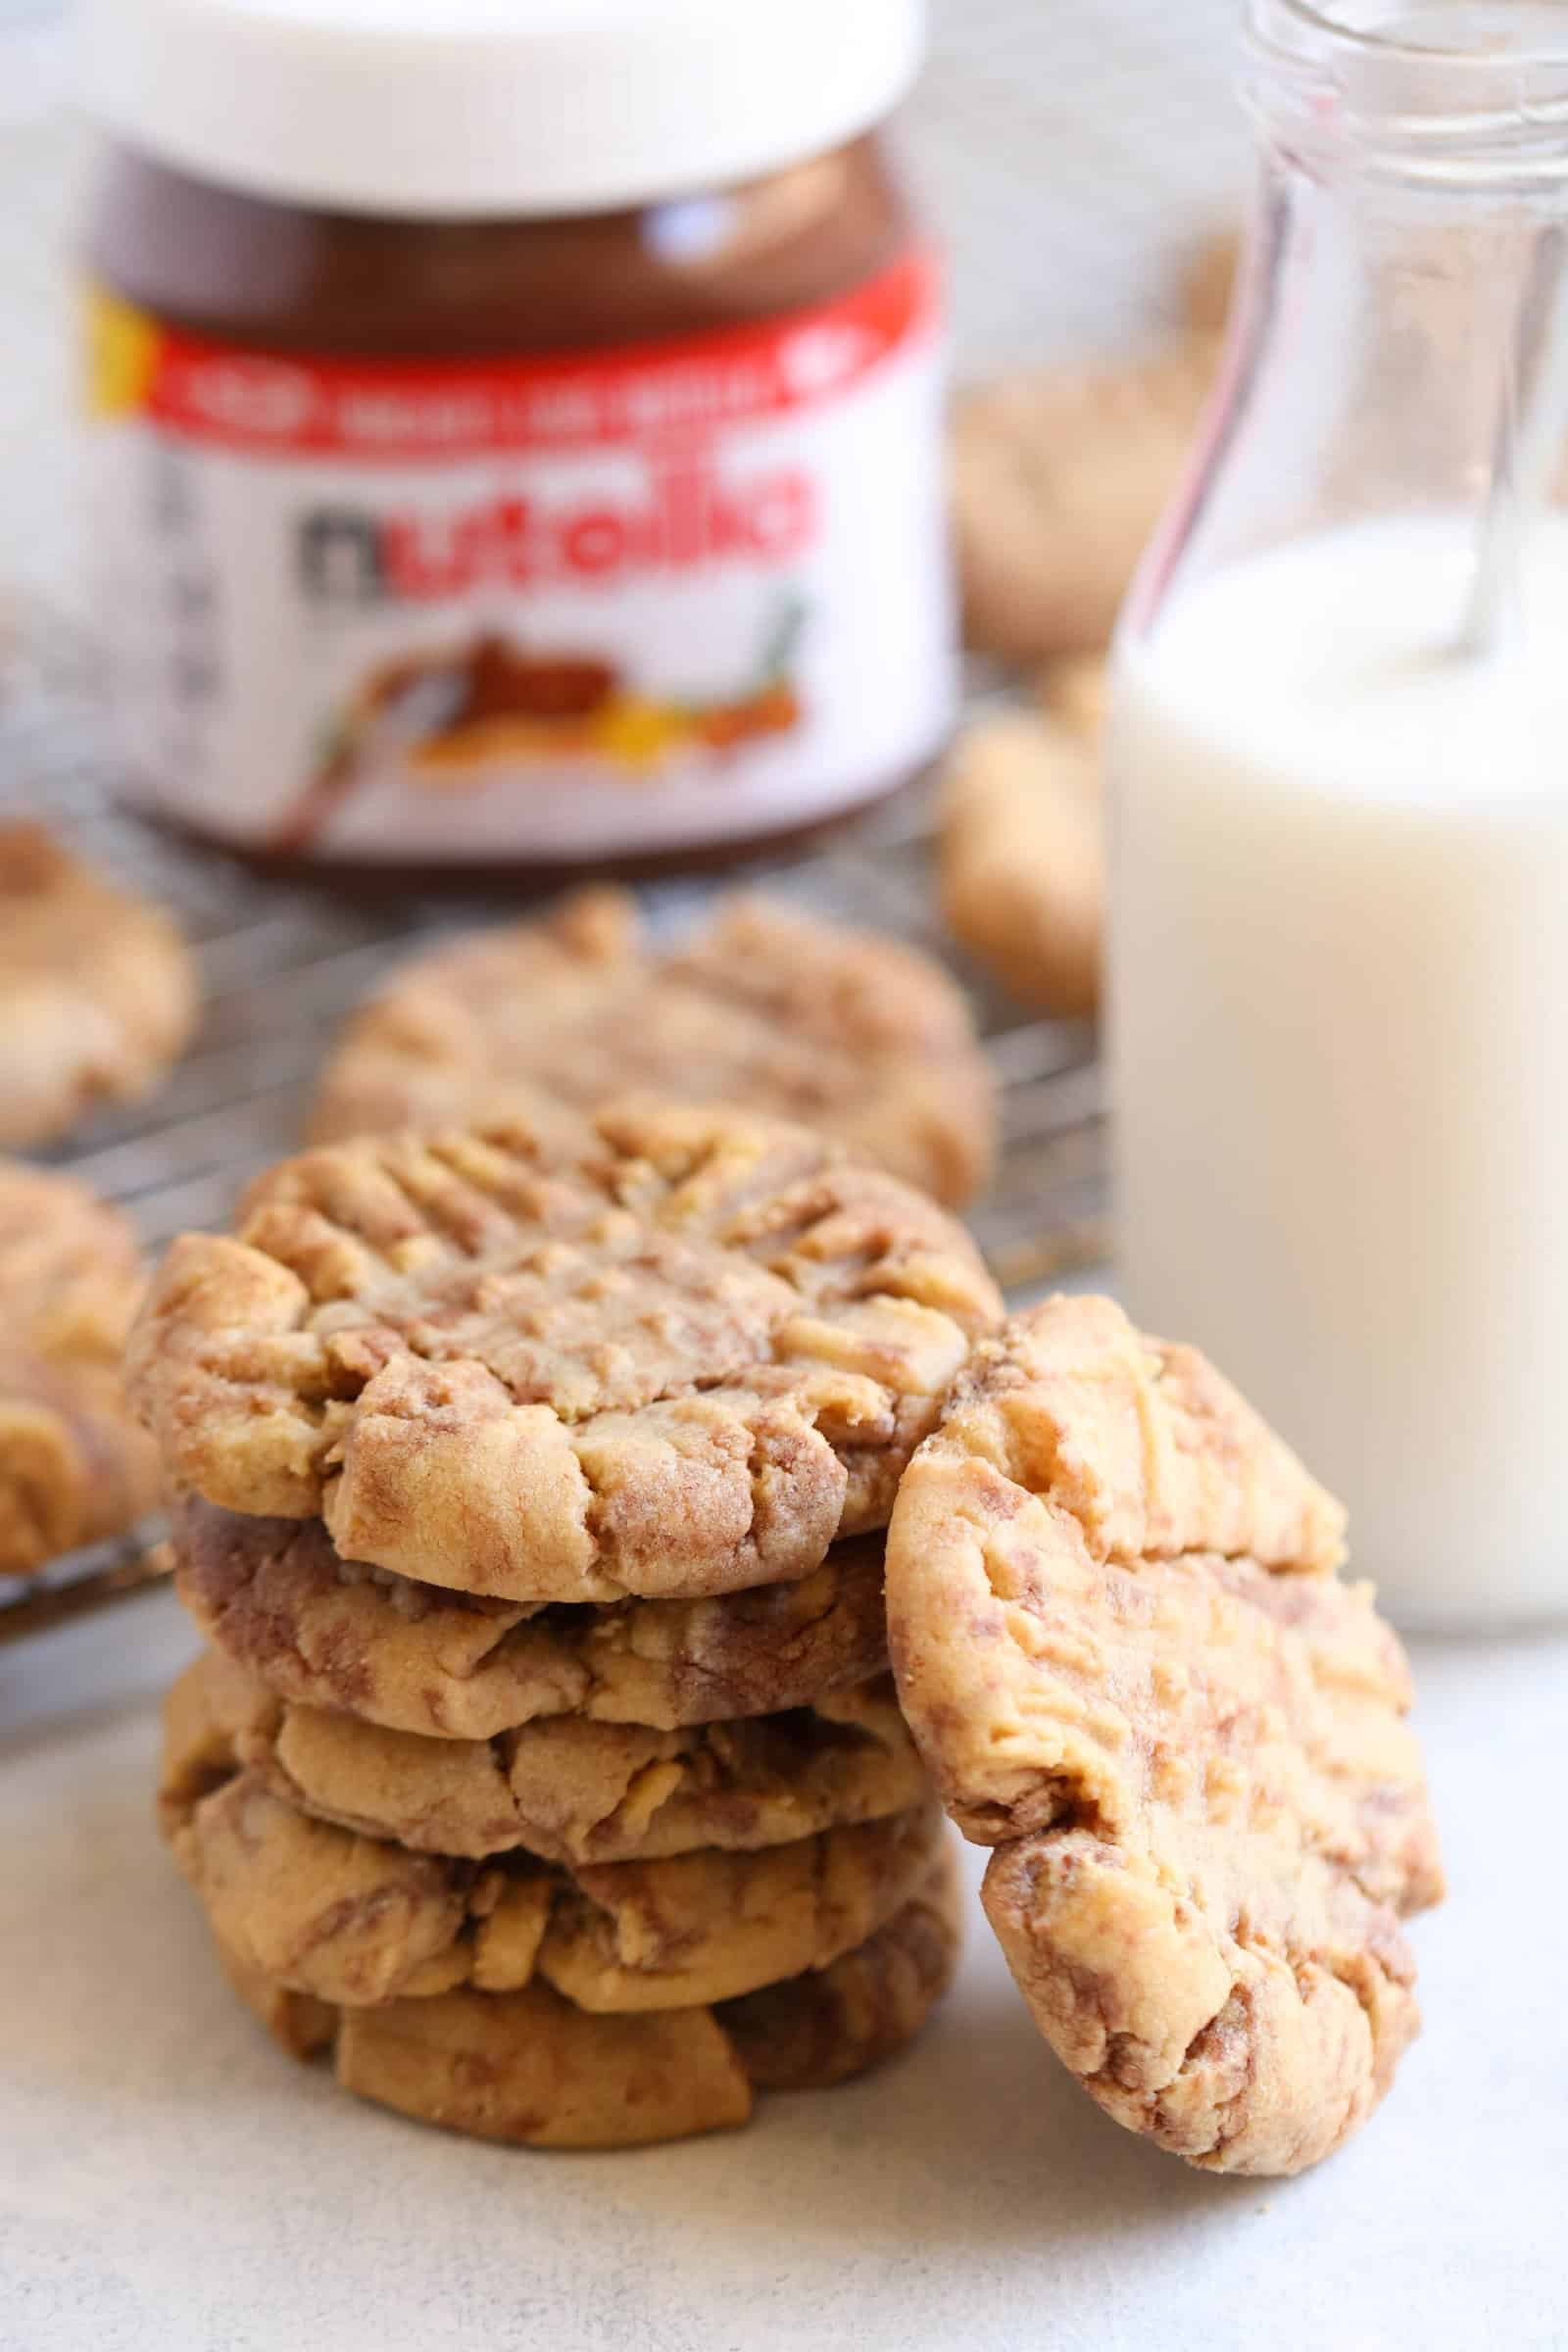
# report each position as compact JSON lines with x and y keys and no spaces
{"x":1020,"y":860}
{"x":857,"y":1036}
{"x":73,"y":1467}
{"x":529,"y":2068}
{"x":568,"y":1789}
{"x":356,"y":1921}
{"x":273,"y":1596}
{"x":682,"y":1366}
{"x":1121,"y":1642}
{"x":97,"y":991}
{"x":1208,"y":283}
{"x":1075,"y":691}
{"x":1060,"y":476}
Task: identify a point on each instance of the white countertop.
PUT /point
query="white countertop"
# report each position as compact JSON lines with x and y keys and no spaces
{"x":169,"y":2180}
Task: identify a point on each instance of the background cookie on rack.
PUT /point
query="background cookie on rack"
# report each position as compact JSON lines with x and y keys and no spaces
{"x":568,"y":1789}
{"x":856,"y":1035}
{"x":1020,"y":859}
{"x":97,"y":990}
{"x":74,"y":1465}
{"x":1059,"y":476}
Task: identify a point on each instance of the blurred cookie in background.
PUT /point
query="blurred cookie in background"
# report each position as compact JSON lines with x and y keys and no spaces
{"x":73,"y":1467}
{"x":1059,"y":476}
{"x":858,"y":1036}
{"x":1020,"y":859}
{"x":97,"y":989}
{"x":1077,"y":693}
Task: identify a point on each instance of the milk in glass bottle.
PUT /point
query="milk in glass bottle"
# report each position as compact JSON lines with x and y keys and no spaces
{"x":1338,"y":764}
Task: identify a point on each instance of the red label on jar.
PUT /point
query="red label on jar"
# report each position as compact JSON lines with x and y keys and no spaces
{"x":378,"y":609}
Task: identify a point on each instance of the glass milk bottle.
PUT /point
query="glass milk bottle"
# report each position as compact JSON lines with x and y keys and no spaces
{"x":1338,"y":765}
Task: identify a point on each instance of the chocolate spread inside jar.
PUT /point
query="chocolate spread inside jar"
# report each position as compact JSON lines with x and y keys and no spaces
{"x":583,"y":506}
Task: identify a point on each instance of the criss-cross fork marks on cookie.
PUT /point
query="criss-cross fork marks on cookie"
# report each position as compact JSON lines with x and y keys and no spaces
{"x":682,"y":1363}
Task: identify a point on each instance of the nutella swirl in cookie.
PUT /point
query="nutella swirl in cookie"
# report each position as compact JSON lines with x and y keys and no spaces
{"x":1123,"y":1646}
{"x":97,"y":990}
{"x":532,"y":2069}
{"x":567,"y":1789}
{"x":357,"y":1921}
{"x":680,"y":1361}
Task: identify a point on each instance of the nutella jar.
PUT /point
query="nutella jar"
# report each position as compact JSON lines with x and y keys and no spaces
{"x":516,"y":426}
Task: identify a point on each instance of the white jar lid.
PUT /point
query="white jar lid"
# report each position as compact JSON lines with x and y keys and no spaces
{"x":492,"y":106}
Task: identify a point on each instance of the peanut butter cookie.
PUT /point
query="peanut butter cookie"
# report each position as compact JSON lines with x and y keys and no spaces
{"x":567,"y":1789}
{"x":73,"y":1467}
{"x":1020,"y":862}
{"x":1060,"y":476}
{"x":97,"y":991}
{"x":1123,"y":1647}
{"x":273,"y":1596}
{"x":1076,"y":693}
{"x":529,"y":2068}
{"x":681,"y":1366}
{"x":855,"y":1035}
{"x":1208,"y":282}
{"x":356,"y":1921}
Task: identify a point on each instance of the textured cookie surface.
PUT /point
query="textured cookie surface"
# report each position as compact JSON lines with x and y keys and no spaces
{"x":1121,"y":1641}
{"x":1059,"y":476}
{"x":356,"y":1921}
{"x":97,"y":992}
{"x":73,"y":1467}
{"x":680,"y":1364}
{"x":568,"y":1789}
{"x":530,"y":2068}
{"x":1020,"y":862}
{"x":273,"y":1596}
{"x":855,"y":1035}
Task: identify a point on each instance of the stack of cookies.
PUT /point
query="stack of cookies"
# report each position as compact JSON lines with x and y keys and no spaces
{"x":543,"y":1764}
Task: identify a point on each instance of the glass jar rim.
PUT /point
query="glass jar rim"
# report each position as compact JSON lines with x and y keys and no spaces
{"x":1331,"y":19}
{"x":1493,"y":111}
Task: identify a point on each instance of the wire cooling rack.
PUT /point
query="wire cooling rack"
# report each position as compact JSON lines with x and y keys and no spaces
{"x":1067,"y":154}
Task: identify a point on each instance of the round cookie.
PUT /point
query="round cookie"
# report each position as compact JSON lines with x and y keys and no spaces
{"x":857,"y":1036}
{"x":97,"y":991}
{"x":529,"y":2068}
{"x":1208,"y":282}
{"x":73,"y":1467}
{"x":567,"y":1789}
{"x":1020,"y":862}
{"x":1060,"y":476}
{"x":1122,"y":1645}
{"x":1076,"y":693}
{"x":273,"y":1596}
{"x":356,"y":1921}
{"x":682,"y":1365}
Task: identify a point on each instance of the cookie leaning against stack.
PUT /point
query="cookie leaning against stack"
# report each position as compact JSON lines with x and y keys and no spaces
{"x":540,"y":1766}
